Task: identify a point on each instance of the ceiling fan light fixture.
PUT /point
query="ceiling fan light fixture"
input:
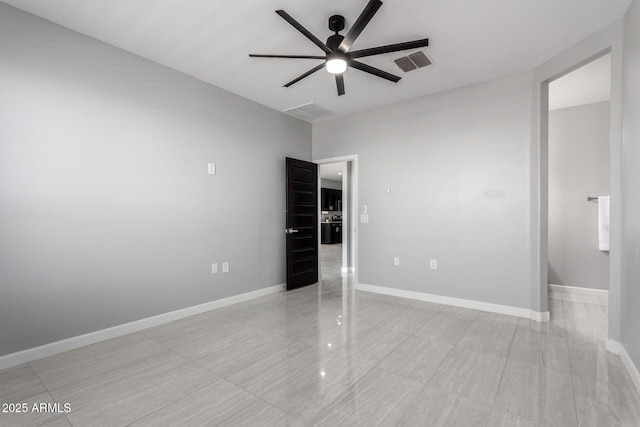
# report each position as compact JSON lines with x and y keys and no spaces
{"x":338,"y":55}
{"x":336,"y":64}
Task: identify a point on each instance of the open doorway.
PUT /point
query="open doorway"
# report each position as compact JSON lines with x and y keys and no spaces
{"x":578,"y":196}
{"x":332,"y":209}
{"x":338,"y":209}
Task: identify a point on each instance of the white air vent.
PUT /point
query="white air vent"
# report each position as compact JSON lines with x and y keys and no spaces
{"x":309,"y":112}
{"x":412,"y":62}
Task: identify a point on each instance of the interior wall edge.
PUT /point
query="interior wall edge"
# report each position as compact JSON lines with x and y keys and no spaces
{"x":609,"y":39}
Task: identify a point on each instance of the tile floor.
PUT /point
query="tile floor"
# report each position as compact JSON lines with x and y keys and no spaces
{"x":332,"y":356}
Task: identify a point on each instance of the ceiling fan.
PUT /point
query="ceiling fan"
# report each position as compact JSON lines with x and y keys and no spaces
{"x":338,"y":55}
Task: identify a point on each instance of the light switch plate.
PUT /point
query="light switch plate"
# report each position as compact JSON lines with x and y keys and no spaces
{"x":364,"y":209}
{"x":214,"y":268}
{"x":225,"y":267}
{"x":212,"y":168}
{"x":364,"y":218}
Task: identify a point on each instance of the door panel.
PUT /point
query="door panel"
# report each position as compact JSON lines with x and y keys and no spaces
{"x":302,"y":223}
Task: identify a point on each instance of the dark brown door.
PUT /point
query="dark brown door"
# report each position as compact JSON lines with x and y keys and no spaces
{"x":302,"y":223}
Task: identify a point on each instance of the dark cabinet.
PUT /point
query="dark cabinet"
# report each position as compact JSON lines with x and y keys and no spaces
{"x":331,"y":232}
{"x":336,"y":233}
{"x":330,"y":200}
{"x":325,"y":233}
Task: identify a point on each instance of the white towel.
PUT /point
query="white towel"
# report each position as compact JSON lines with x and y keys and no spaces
{"x":603,"y":223}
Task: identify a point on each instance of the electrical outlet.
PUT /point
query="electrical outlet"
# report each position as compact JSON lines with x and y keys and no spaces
{"x":225,"y":267}
{"x":214,"y":268}
{"x":396,"y":261}
{"x":434,"y":264}
{"x":211,"y":168}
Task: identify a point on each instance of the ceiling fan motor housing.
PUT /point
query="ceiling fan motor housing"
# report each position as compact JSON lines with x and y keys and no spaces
{"x":334,"y":41}
{"x":336,"y":23}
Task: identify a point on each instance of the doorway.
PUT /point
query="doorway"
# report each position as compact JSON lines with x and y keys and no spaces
{"x":337,"y":203}
{"x":578,"y":186}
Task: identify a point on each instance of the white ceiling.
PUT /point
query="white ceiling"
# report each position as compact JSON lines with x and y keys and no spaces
{"x":332,"y":171}
{"x":585,"y":85}
{"x":470,"y":41}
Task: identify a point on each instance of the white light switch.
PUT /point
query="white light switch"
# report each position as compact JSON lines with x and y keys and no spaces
{"x":214,"y":268}
{"x":364,"y":208}
{"x":396,"y":261}
{"x":364,"y":218}
{"x":212,"y":168}
{"x":225,"y":267}
{"x":434,"y":264}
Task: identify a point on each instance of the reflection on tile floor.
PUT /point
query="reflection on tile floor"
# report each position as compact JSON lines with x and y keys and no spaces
{"x":330,"y":355}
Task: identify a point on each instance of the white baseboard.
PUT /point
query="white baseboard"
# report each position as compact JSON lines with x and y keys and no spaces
{"x":458,"y":302}
{"x":578,"y":290}
{"x":613,"y":347}
{"x":631,"y":368}
{"x":73,"y":343}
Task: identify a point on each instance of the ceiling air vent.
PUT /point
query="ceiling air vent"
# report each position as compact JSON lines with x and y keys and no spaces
{"x":412,"y":62}
{"x":309,"y":112}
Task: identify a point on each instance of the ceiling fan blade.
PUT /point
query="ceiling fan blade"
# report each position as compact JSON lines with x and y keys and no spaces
{"x":303,"y":30}
{"x":340,"y":84}
{"x":389,"y":48}
{"x":370,"y":9}
{"x":252,"y":55}
{"x":373,"y":70}
{"x":307,"y":74}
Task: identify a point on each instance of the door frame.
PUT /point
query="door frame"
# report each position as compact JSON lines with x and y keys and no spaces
{"x":352,"y":204}
{"x":608,"y":40}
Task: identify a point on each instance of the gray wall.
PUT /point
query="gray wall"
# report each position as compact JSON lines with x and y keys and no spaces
{"x":107,"y":212}
{"x":578,"y":167}
{"x":457,"y":164}
{"x":631,"y":185}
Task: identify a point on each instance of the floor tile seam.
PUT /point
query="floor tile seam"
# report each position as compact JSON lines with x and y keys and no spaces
{"x":377,"y":365}
{"x":101,"y":355}
{"x":188,"y":341}
{"x":472,"y":321}
{"x":338,"y":397}
{"x":218,"y":377}
{"x":48,"y":391}
{"x":555,"y":371}
{"x":433,"y":340}
{"x":226,"y":378}
{"x":546,"y":333}
{"x":174,"y":401}
{"x":427,"y":381}
{"x":573,"y":383}
{"x":504,"y":367}
{"x":181,"y":355}
{"x":112,"y":381}
{"x":129,"y":363}
{"x":257,"y":396}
